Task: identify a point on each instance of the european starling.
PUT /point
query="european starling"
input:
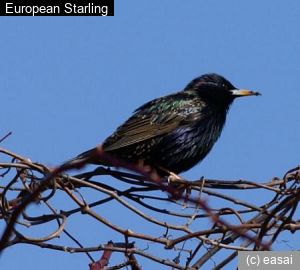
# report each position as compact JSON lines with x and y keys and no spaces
{"x":177,"y":131}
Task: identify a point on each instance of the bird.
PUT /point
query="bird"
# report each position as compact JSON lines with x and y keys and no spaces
{"x":173,"y":133}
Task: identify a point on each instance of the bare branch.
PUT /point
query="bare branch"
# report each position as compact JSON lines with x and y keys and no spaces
{"x":184,"y":222}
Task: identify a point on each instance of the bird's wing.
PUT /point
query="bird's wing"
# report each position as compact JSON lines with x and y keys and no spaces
{"x":149,"y":122}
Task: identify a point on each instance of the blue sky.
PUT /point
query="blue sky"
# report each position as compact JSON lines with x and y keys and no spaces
{"x":68,"y":82}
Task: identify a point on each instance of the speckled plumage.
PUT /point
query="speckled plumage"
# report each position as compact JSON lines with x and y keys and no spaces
{"x":177,"y":131}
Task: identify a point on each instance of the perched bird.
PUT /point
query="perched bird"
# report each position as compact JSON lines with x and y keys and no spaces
{"x":174,"y":132}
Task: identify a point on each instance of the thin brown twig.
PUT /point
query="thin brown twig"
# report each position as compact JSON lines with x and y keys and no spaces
{"x":145,"y":201}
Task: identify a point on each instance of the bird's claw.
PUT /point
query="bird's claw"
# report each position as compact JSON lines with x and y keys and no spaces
{"x":173,"y":177}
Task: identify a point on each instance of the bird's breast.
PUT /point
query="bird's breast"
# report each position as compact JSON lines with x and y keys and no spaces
{"x":186,"y":146}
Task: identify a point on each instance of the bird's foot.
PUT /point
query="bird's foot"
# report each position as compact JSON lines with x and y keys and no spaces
{"x":174,"y":178}
{"x":177,"y":182}
{"x":180,"y":184}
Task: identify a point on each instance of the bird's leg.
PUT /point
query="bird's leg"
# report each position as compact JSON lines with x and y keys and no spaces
{"x":175,"y":180}
{"x":173,"y":177}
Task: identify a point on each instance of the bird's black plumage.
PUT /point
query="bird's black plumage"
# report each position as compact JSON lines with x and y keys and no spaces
{"x":177,"y":131}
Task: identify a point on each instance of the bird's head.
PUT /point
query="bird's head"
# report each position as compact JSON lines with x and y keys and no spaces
{"x":217,"y":89}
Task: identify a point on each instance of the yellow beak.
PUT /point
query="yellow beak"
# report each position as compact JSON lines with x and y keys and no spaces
{"x":243,"y":92}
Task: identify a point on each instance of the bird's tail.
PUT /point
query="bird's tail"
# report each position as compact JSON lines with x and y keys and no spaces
{"x":88,"y":157}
